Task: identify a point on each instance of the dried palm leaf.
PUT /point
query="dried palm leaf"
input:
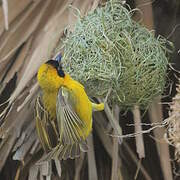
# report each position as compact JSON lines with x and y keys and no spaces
{"x":13,"y":12}
{"x":14,"y":66}
{"x":21,"y":29}
{"x":5,"y":11}
{"x":10,"y":130}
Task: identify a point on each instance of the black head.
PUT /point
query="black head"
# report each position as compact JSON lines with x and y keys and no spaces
{"x":57,"y":66}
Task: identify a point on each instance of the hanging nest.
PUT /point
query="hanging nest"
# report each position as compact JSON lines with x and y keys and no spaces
{"x":109,"y":51}
{"x":173,"y":130}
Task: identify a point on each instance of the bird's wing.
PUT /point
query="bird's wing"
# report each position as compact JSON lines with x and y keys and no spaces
{"x":45,"y":126}
{"x":71,"y":127}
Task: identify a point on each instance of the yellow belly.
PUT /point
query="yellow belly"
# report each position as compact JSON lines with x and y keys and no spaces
{"x":49,"y":101}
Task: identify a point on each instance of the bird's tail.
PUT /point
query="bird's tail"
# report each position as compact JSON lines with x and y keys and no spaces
{"x":63,"y":152}
{"x":98,"y":107}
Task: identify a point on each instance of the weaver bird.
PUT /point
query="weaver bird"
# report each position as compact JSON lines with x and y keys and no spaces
{"x":63,"y":112}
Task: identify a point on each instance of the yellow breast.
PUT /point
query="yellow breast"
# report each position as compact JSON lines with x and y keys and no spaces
{"x":49,"y":101}
{"x":48,"y":78}
{"x":50,"y":83}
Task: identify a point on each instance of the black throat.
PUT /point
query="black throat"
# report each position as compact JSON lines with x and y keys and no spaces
{"x":57,"y":66}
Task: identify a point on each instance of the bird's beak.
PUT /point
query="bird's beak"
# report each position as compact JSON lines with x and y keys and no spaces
{"x":58,"y":57}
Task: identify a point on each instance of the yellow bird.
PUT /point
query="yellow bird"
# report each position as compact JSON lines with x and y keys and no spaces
{"x":63,"y":113}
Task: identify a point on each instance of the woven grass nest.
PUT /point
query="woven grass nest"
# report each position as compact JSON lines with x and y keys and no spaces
{"x":109,"y":51}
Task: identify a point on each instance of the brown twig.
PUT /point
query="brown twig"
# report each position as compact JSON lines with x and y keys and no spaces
{"x":112,"y":120}
{"x":115,"y":149}
{"x":138,"y":128}
{"x":134,"y":158}
{"x":92,"y":171}
{"x":107,"y":143}
{"x":155,"y":113}
{"x":79,"y":164}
